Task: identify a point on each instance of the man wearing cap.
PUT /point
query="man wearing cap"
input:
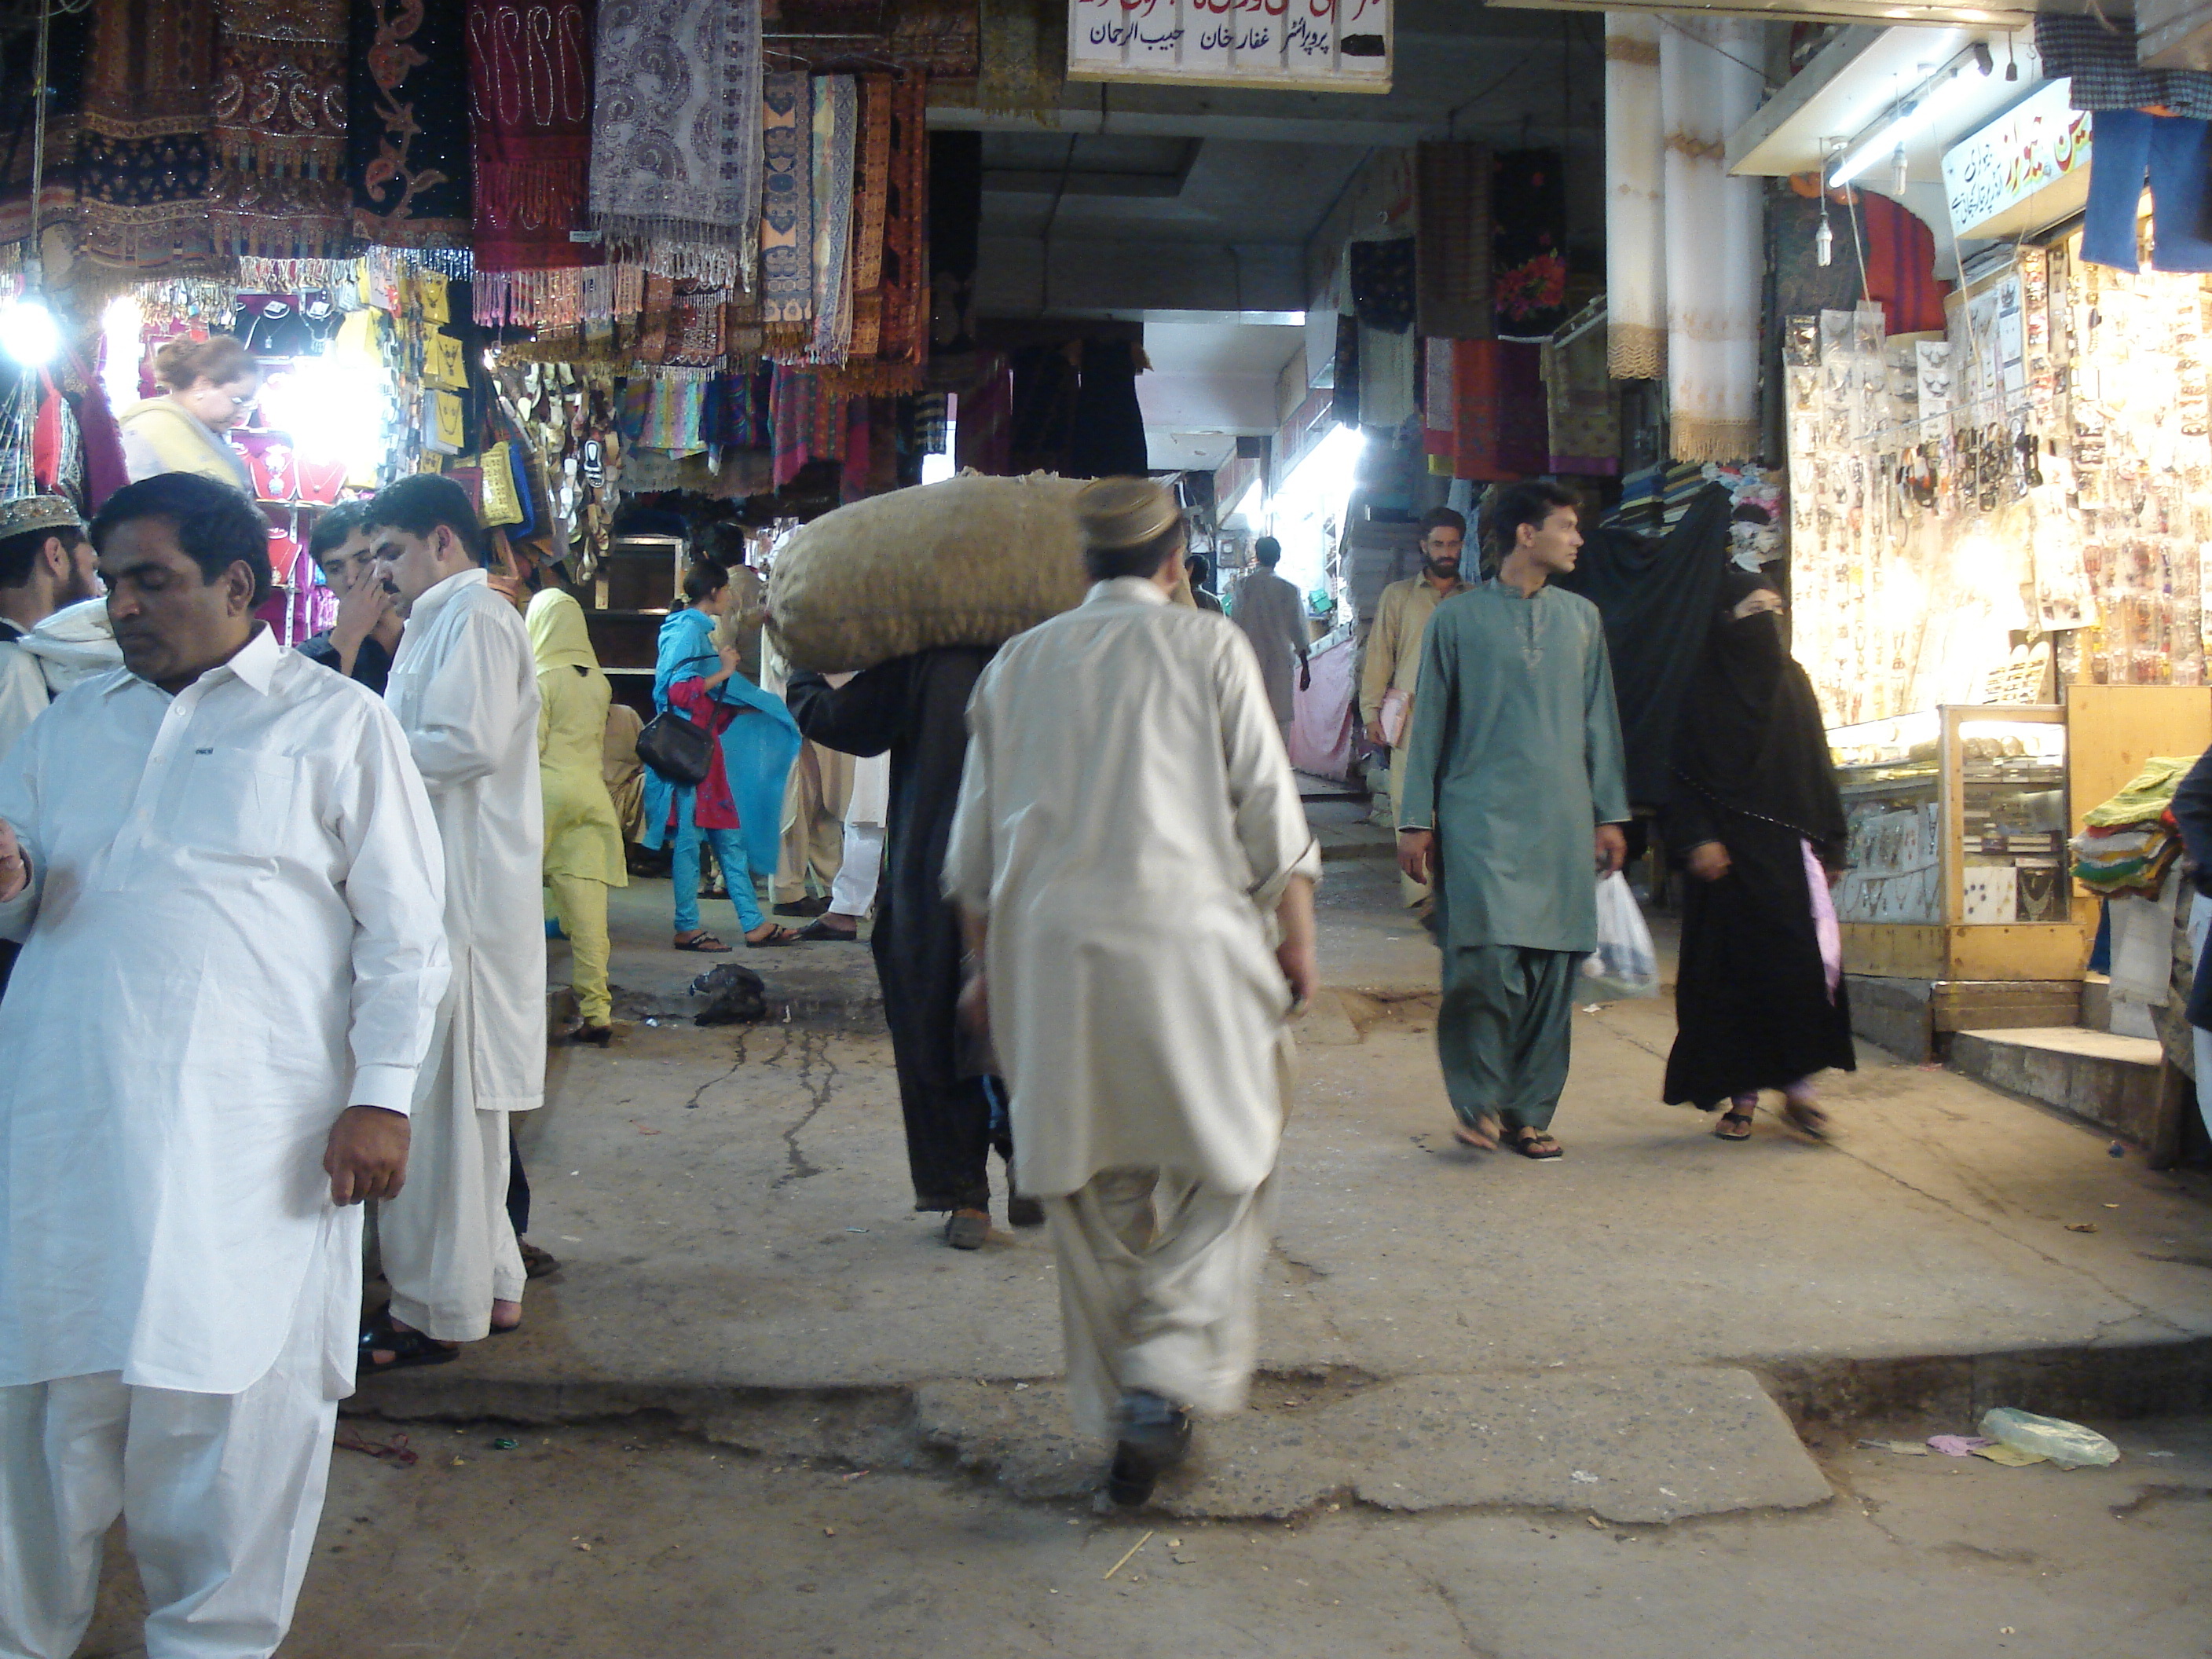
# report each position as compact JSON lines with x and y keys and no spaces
{"x":1137,"y":876}
{"x":226,"y":874}
{"x":46,"y":564}
{"x":1273,"y":618}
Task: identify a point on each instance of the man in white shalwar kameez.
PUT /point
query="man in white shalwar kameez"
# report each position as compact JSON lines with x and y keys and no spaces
{"x":1273,"y":618}
{"x":1133,"y":860}
{"x":465,"y":690}
{"x":227,"y":880}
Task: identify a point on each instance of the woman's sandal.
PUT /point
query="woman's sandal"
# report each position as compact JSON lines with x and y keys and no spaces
{"x":1733,"y":1126}
{"x":1534,"y":1143}
{"x":705,"y":943}
{"x":776,"y":934}
{"x":407,"y":1348}
{"x":1806,"y":1118}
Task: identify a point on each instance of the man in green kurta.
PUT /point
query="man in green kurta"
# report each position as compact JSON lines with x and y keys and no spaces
{"x":1512,"y":780}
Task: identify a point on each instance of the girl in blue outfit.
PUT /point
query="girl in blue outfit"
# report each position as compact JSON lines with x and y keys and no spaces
{"x":738,"y":808}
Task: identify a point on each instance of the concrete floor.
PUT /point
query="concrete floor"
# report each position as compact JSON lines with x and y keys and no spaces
{"x":632,"y":1542}
{"x":1607,"y":1405}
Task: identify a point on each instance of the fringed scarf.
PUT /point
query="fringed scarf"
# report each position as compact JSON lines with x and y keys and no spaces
{"x":407,"y":122}
{"x":144,"y":159}
{"x":676,"y":146}
{"x":870,"y":202}
{"x":787,"y":236}
{"x":1451,"y":186}
{"x":836,"y":118}
{"x":808,"y":420}
{"x":902,"y":297}
{"x":280,"y":130}
{"x":530,"y":124}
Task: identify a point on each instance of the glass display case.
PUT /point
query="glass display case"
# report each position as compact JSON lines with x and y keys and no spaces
{"x":1959,"y":822}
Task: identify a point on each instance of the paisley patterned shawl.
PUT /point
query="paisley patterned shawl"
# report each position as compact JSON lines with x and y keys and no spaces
{"x":407,"y":122}
{"x":530,"y":123}
{"x":280,"y":130}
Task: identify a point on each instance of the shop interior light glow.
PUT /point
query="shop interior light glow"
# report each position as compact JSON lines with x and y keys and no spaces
{"x":1911,"y":117}
{"x":28,"y":333}
{"x":332,"y":407}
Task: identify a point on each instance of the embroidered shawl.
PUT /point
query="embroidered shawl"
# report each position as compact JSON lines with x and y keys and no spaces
{"x":407,"y":122}
{"x":787,"y":244}
{"x":144,"y":159}
{"x":676,"y":145}
{"x":837,"y":111}
{"x":280,"y":130}
{"x":1528,"y":242}
{"x":530,"y":124}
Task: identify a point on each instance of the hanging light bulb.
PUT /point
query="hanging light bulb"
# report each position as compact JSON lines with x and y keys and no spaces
{"x":1899,"y":174}
{"x":1824,"y":239}
{"x":28,"y":333}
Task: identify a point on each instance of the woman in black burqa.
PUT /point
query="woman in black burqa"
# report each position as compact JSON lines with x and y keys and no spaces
{"x":1755,"y":817}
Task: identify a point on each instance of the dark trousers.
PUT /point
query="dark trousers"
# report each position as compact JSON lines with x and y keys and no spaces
{"x":517,"y":1188}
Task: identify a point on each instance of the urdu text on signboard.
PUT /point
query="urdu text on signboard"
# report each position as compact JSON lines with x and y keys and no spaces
{"x":1315,"y":46}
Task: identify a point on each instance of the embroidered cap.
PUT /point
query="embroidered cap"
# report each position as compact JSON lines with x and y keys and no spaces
{"x":28,"y":513}
{"x":1125,"y":511}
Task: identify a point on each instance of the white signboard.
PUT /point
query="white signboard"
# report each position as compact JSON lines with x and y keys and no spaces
{"x":1318,"y":45}
{"x":1991,"y":178}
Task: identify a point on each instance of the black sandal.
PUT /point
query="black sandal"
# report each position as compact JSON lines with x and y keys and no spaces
{"x":1741,"y":1120}
{"x":407,"y":1348}
{"x":1534,"y":1143}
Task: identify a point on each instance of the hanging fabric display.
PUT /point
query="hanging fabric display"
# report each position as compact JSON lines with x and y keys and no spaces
{"x":787,"y":223}
{"x":1343,"y":401}
{"x":1712,"y":239}
{"x":144,"y":161}
{"x":407,"y":122}
{"x":836,"y":116}
{"x":1900,"y":264}
{"x":808,"y":418}
{"x":529,"y":125}
{"x":1382,"y":283}
{"x":871,"y":199}
{"x":1386,"y":364}
{"x":1528,"y":241}
{"x":676,"y":148}
{"x":1583,"y":408}
{"x":1022,"y":58}
{"x":1498,"y":387}
{"x":905,"y":344}
{"x":1635,"y":243}
{"x":1439,"y":410}
{"x":280,"y":129}
{"x":1451,"y":192}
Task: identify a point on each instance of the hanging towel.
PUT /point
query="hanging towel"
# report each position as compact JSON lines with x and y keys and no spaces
{"x":1635,"y":226}
{"x":1715,"y":251}
{"x":1451,"y":192}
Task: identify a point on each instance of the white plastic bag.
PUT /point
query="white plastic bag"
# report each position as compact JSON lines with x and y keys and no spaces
{"x":1623,"y":965}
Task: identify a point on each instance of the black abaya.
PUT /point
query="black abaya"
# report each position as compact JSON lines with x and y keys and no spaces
{"x":916,"y":709}
{"x":1752,"y":771}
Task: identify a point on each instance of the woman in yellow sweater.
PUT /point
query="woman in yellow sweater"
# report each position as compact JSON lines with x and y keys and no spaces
{"x":208,"y":386}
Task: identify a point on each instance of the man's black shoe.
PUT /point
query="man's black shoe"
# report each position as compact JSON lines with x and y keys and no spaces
{"x":1155,"y":1437}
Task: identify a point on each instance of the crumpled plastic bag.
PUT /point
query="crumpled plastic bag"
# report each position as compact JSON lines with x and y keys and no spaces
{"x":2069,"y":1445}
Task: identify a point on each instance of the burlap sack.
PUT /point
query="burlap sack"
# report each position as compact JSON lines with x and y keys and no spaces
{"x":972,"y":561}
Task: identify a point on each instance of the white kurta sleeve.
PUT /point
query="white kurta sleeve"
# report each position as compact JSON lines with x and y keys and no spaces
{"x":19,"y":805}
{"x":1271,"y":820}
{"x":969,"y":858}
{"x":395,"y":885}
{"x":463,"y":727}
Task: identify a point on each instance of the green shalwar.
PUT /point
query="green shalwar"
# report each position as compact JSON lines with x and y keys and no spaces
{"x":1514,"y":760}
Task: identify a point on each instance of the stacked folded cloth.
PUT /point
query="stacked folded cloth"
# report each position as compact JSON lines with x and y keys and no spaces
{"x":2131,"y":840}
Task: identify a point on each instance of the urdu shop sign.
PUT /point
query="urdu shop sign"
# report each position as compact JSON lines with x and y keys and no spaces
{"x":1317,"y":46}
{"x":2027,"y":168}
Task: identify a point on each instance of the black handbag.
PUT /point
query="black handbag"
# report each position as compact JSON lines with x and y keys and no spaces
{"x":677,"y":747}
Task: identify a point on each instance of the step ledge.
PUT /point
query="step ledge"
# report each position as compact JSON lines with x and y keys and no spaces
{"x":2077,"y":1041}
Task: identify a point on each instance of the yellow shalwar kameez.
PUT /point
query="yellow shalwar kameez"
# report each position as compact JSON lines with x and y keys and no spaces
{"x":583,"y":837}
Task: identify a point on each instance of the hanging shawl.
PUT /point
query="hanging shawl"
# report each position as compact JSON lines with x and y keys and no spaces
{"x":407,"y":122}
{"x":1715,"y":256}
{"x":871,"y":201}
{"x":906,"y":239}
{"x":836,"y":127}
{"x":280,"y":130}
{"x":1382,"y":283}
{"x":143,"y":162}
{"x":1451,"y":189}
{"x":1528,"y":242}
{"x":530,"y":126}
{"x":1751,"y":737}
{"x":1500,"y":425}
{"x":1023,"y":65}
{"x":676,"y":145}
{"x":787,"y":256}
{"x":1635,"y":239}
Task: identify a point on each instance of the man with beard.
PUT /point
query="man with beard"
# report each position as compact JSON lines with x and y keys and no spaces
{"x":1393,"y":667}
{"x":45,"y":563}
